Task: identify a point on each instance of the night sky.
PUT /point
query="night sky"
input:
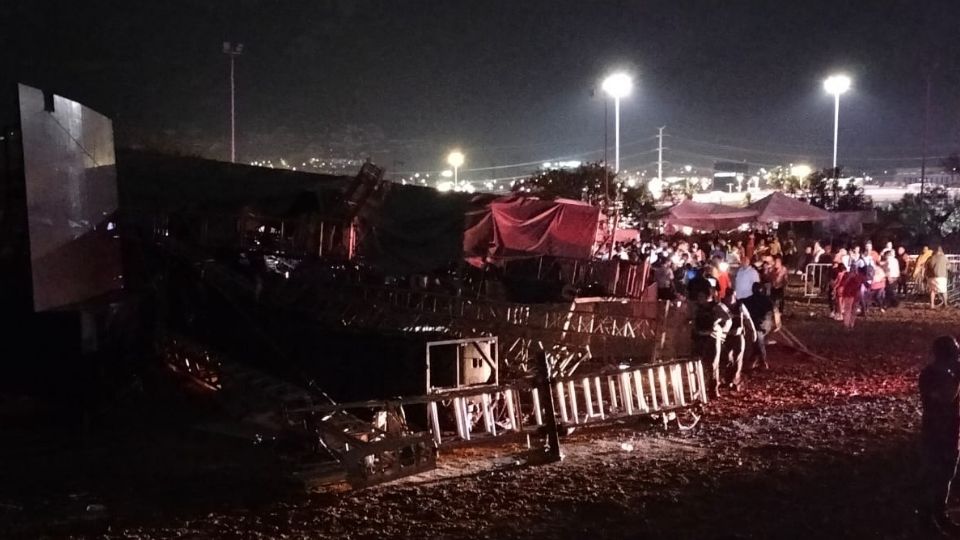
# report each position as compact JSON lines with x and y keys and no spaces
{"x":510,"y":82}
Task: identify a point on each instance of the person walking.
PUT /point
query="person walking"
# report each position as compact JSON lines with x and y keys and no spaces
{"x":778,"y":283}
{"x":760,"y":309}
{"x":904,"y":260}
{"x":939,"y":267}
{"x":733,"y":345}
{"x":710,"y":325}
{"x":848,"y":290}
{"x":940,"y":431}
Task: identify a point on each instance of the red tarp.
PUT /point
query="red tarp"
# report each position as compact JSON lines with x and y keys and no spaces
{"x":706,"y":216}
{"x":780,"y":208}
{"x":514,"y":227}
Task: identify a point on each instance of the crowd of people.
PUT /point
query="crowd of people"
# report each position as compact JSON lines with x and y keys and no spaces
{"x":863,"y":279}
{"x":736,"y":288}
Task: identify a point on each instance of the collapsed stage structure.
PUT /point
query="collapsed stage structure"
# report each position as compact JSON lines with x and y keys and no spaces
{"x":419,"y":353}
{"x":370,"y":323}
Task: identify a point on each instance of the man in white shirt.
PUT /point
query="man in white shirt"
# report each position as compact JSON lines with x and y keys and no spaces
{"x":747,"y":275}
{"x":892,"y":266}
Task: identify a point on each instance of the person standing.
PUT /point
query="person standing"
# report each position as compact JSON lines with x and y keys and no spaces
{"x":904,"y":260}
{"x":818,"y":252}
{"x":711,"y":323}
{"x":747,"y":277}
{"x":878,"y":287}
{"x":751,"y":247}
{"x":721,"y":279}
{"x":733,"y":345}
{"x":866,"y":270}
{"x":892,"y":267}
{"x":760,"y":309}
{"x":939,"y":267}
{"x":775,"y":248}
{"x":920,"y":276}
{"x":778,"y":283}
{"x":940,"y":430}
{"x":664,"y":277}
{"x":833,"y":295}
{"x":847,"y":287}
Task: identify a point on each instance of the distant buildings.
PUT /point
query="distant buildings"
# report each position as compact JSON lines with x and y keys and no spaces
{"x":730,"y":175}
{"x":934,"y":177}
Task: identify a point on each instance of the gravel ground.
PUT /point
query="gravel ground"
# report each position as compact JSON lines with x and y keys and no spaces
{"x":811,"y":449}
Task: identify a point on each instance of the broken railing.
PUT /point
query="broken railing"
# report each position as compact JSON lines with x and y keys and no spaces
{"x":526,"y":408}
{"x":568,"y":333}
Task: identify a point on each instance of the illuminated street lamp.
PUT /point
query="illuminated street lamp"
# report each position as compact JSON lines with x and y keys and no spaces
{"x":836,"y":85}
{"x":455,"y":159}
{"x":801,"y":171}
{"x":617,"y":86}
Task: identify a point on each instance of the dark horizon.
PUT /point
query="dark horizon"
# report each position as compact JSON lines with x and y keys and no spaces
{"x":403,"y":82}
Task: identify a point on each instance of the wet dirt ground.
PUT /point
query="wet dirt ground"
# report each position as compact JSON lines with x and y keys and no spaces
{"x":809,"y":449}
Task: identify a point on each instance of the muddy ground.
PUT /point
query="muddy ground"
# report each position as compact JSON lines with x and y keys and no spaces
{"x":810,"y":449}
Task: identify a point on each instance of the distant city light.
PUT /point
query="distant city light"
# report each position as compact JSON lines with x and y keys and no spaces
{"x":446,"y":173}
{"x":570,"y":164}
{"x":656,"y":188}
{"x":445,"y":186}
{"x":688,"y":168}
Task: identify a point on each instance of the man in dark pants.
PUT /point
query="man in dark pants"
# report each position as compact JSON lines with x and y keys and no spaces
{"x":778,"y":277}
{"x":760,"y":309}
{"x":733,"y":346}
{"x":710,"y":324}
{"x":940,"y":431}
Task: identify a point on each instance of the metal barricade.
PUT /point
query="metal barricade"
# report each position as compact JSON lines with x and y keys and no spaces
{"x":814,"y":279}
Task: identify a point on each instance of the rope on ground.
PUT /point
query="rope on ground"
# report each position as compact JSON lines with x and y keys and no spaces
{"x":790,"y":340}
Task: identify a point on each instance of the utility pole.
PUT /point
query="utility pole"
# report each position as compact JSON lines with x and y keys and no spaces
{"x":606,"y":176}
{"x":660,"y":154}
{"x":923,"y":141}
{"x":233,"y":50}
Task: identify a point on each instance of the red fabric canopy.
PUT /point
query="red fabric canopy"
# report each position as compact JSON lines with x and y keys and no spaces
{"x":781,"y":208}
{"x":513,"y":227}
{"x":706,"y":216}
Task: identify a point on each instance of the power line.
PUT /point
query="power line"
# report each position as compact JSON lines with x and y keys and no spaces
{"x":565,"y":157}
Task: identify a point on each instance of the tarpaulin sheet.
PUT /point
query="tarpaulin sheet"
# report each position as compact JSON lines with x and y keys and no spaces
{"x":514,"y":227}
{"x":153,"y":183}
{"x":413,"y":229}
{"x":780,"y":208}
{"x":706,"y":216}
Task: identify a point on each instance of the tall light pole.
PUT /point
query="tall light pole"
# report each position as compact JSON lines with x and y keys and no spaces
{"x":660,"y":153}
{"x":836,"y":85}
{"x":617,"y":86}
{"x":455,"y":159}
{"x":233,"y":50}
